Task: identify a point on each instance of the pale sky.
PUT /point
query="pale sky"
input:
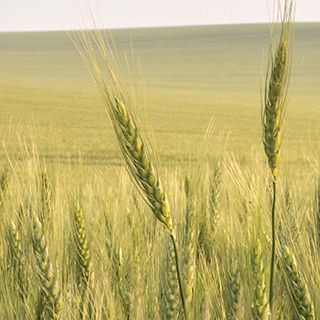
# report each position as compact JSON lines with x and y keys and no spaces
{"x":18,"y":15}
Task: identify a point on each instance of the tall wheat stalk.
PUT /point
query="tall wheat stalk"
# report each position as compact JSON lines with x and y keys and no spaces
{"x":273,"y":113}
{"x":135,"y":151}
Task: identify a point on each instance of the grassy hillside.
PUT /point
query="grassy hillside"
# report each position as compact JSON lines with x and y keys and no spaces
{"x":184,"y":76}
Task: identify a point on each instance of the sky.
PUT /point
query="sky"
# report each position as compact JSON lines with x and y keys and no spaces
{"x":23,"y":15}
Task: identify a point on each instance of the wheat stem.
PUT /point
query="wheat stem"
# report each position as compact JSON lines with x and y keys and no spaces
{"x":189,"y":245}
{"x":176,"y":256}
{"x":273,"y":245}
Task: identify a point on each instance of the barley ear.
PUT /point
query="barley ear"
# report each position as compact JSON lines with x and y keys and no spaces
{"x":298,"y":288}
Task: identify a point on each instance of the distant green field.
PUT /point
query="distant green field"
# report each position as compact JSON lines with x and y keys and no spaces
{"x":190,"y":74}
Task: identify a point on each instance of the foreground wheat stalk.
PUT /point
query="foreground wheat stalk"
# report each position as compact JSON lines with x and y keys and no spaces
{"x":135,"y":151}
{"x":189,"y":244}
{"x":84,"y":263}
{"x":273,"y":114}
{"x":18,"y":260}
{"x":50,"y":301}
{"x":136,"y":155}
{"x":260,"y":307}
{"x":234,"y":290}
{"x":172,"y":290}
{"x":298,"y":287}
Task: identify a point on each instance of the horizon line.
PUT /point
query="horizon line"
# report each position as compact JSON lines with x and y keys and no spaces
{"x":151,"y":27}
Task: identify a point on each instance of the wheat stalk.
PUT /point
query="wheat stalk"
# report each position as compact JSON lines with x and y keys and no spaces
{"x":260,"y":307}
{"x":118,"y":274}
{"x":275,"y":93}
{"x":140,"y":166}
{"x":46,"y":194}
{"x":190,"y":245}
{"x":3,"y":184}
{"x":299,"y":290}
{"x":172,"y":292}
{"x":234,"y":290}
{"x":208,"y":227}
{"x":83,"y":262}
{"x":273,"y":112}
{"x":121,"y":277}
{"x":49,"y":300}
{"x":215,"y":197}
{"x":18,"y":259}
{"x":83,"y":252}
{"x":134,"y":149}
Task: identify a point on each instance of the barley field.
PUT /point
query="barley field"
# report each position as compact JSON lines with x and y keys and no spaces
{"x":169,"y":218}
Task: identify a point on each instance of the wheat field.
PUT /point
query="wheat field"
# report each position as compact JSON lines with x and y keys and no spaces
{"x":164,"y":212}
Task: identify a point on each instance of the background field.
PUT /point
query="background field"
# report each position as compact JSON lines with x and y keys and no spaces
{"x":183,"y":77}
